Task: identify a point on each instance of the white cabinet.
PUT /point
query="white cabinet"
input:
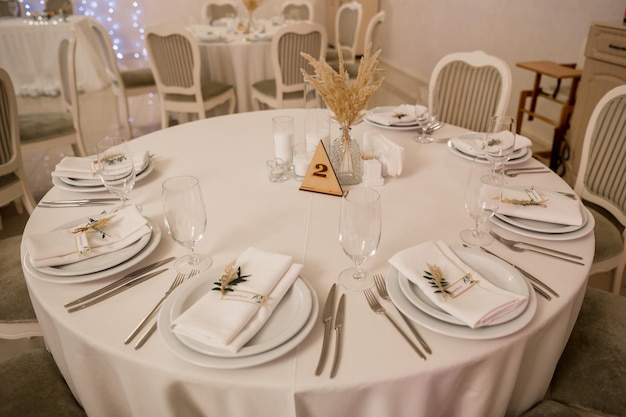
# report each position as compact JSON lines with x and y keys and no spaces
{"x":604,"y":69}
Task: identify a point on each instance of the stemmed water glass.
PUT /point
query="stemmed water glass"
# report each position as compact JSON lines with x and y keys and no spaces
{"x":482,"y":199}
{"x":426,"y":118}
{"x":185,"y":218}
{"x":359,"y":234}
{"x":116,"y":167}
{"x":499,"y":142}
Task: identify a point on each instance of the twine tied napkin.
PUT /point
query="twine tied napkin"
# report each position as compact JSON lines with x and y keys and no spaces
{"x":479,"y":305}
{"x":61,"y":247}
{"x":86,"y":167}
{"x":402,"y":115}
{"x":222,"y":321}
{"x":550,"y":209}
{"x":472,"y":143}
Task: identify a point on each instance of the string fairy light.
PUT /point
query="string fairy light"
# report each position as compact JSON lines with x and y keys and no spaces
{"x":127,"y":45}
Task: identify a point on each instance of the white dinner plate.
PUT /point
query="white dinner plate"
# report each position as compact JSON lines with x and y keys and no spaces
{"x":454,"y":330}
{"x":517,"y":157}
{"x":499,"y":274}
{"x":588,"y":225}
{"x":286,"y":320}
{"x":184,"y":352}
{"x":119,"y":266}
{"x":384,"y":109}
{"x":96,"y":182}
{"x":61,"y":183}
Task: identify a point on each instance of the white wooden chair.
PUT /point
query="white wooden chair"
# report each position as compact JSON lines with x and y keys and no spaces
{"x":602,"y":182}
{"x":213,"y":10}
{"x":65,"y":7}
{"x":347,"y":26}
{"x":471,"y":87}
{"x":11,"y":8}
{"x":175,"y":58}
{"x":13,"y":182}
{"x":297,"y":10}
{"x":124,"y":83}
{"x":286,"y":89}
{"x":372,"y":37}
{"x":42,"y":131}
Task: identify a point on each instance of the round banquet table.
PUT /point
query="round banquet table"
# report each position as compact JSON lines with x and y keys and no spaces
{"x":379,"y":374}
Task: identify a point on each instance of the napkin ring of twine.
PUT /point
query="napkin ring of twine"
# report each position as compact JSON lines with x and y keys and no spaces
{"x":82,"y":243}
{"x":534,"y":199}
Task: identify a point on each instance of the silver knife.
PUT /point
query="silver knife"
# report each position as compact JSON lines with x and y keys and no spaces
{"x":115,"y":291}
{"x":526,"y":274}
{"x":327,"y":318}
{"x":120,"y":282}
{"x":339,"y":320}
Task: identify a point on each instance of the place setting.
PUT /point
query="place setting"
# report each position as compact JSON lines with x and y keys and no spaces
{"x":84,"y":174}
{"x":254,"y":310}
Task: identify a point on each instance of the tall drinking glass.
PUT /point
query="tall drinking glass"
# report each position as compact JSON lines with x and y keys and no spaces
{"x":116,"y":166}
{"x":482,"y":199}
{"x":359,"y":234}
{"x":499,"y":142}
{"x":185,"y":218}
{"x":426,"y":114}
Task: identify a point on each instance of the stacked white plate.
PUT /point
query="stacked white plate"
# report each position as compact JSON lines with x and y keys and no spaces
{"x":289,"y":324}
{"x":410,"y":299}
{"x":518,"y":156}
{"x":101,"y":266}
{"x":545,"y":230}
{"x":94,"y":185}
{"x":399,"y":125}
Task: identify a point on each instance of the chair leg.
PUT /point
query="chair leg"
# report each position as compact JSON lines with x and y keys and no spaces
{"x":616,"y":280}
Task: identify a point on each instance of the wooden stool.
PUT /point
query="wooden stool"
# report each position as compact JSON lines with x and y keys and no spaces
{"x":559,"y":72}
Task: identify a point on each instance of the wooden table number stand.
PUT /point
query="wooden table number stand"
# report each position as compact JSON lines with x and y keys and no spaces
{"x":320,"y":176}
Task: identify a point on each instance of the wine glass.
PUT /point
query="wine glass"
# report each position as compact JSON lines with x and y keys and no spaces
{"x":359,"y":234}
{"x":426,"y":118}
{"x":482,"y":198}
{"x":185,"y":218}
{"x":499,"y":142}
{"x":116,"y":166}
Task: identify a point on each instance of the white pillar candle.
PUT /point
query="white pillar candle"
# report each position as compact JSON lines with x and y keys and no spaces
{"x":282,"y":146}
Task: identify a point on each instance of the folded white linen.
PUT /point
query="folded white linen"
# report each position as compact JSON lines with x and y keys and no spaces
{"x":390,"y":154}
{"x":86,"y":167}
{"x":551,"y":209}
{"x":398,"y":116}
{"x":227,"y":322}
{"x":478,"y":306}
{"x":61,"y":247}
{"x":472,"y":143}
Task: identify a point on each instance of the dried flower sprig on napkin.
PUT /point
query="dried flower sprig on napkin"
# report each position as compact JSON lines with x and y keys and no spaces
{"x":435,"y":276}
{"x":96,"y":225}
{"x":232,"y":276}
{"x":345,"y":98}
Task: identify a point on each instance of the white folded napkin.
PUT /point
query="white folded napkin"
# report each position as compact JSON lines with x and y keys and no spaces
{"x":472,"y":143}
{"x":86,"y":167}
{"x":478,"y":306}
{"x":398,"y":116}
{"x":554,"y":209}
{"x":226,"y":323}
{"x":390,"y":154}
{"x":62,"y":247}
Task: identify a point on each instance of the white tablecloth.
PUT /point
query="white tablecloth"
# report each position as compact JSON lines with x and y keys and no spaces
{"x":239,"y":60}
{"x":379,"y":374}
{"x":29,"y":53}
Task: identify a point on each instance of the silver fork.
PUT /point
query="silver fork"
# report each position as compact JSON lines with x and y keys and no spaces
{"x":513,"y":245}
{"x":177,"y":281}
{"x":180,"y":278}
{"x":377,"y":308}
{"x":381,"y":286}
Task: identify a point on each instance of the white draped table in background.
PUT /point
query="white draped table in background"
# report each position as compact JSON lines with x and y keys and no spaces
{"x":379,"y":374}
{"x":29,"y":53}
{"x":235,"y":58}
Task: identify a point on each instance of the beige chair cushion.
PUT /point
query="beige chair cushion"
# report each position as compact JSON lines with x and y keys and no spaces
{"x":142,"y":77}
{"x":608,"y":237}
{"x":44,"y":125}
{"x":590,"y":374}
{"x":32,"y":386}
{"x":549,"y":408}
